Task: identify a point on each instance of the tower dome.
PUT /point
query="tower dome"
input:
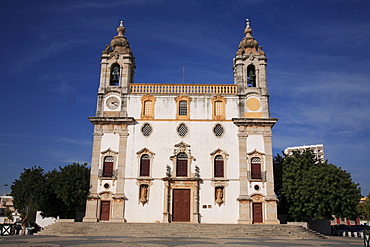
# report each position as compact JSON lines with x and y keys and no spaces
{"x":119,"y":43}
{"x":248,"y":44}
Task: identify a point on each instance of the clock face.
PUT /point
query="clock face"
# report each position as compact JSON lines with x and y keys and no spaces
{"x":112,"y":103}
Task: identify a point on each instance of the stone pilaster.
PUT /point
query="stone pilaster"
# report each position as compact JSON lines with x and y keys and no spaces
{"x":91,"y":209}
{"x":270,"y":199}
{"x":93,"y":198}
{"x":244,"y":208}
{"x":119,"y":196}
{"x":166,"y":202}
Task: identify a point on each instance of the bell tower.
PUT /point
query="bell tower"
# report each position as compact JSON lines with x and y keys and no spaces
{"x":116,"y":74}
{"x":250,"y":76}
{"x":106,"y":198}
{"x":254,"y":134}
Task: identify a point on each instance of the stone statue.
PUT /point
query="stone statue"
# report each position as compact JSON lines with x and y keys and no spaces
{"x":144,"y":194}
{"x":219,"y":195}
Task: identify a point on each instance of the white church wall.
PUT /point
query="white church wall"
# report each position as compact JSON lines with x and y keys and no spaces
{"x":112,"y":187}
{"x":232,"y":107}
{"x":212,"y":212}
{"x":255,"y":142}
{"x":150,"y":211}
{"x":110,"y":140}
{"x":261,"y":190}
{"x":165,"y":107}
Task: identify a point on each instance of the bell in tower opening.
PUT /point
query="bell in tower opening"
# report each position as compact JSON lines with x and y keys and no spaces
{"x":115,"y":74}
{"x":251,"y":76}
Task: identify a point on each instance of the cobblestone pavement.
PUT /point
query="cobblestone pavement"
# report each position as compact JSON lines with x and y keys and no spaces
{"x":106,"y":241}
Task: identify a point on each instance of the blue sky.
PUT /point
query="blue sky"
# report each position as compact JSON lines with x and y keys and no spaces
{"x":318,"y":70}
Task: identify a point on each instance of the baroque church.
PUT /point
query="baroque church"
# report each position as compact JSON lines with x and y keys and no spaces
{"x":199,"y":153}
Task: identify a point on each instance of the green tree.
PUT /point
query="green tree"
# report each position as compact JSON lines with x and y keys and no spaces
{"x":58,"y":193}
{"x":8,"y":214}
{"x":70,"y":186}
{"x":309,"y":188}
{"x":28,"y":190}
{"x":364,"y":209}
{"x":50,"y":205}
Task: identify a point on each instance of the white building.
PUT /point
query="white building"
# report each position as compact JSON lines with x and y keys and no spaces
{"x":318,"y":150}
{"x":182,"y":152}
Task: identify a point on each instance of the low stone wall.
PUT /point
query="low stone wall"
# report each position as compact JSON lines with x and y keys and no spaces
{"x":65,"y":220}
{"x":302,"y":224}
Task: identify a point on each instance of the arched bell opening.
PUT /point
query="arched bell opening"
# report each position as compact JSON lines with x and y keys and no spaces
{"x":251,"y":76}
{"x":115,"y":74}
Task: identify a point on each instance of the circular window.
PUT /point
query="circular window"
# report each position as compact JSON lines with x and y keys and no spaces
{"x":106,"y":186}
{"x":146,"y":129}
{"x":182,"y":130}
{"x":218,"y":130}
{"x":257,"y":187}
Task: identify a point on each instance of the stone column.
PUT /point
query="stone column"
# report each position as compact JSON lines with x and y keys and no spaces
{"x":270,"y":199}
{"x":93,"y":197}
{"x":244,"y":208}
{"x":195,"y":189}
{"x":166,"y":202}
{"x":119,"y":196}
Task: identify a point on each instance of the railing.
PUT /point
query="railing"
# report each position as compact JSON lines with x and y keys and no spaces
{"x":114,"y":174}
{"x":261,"y":178}
{"x":182,"y":88}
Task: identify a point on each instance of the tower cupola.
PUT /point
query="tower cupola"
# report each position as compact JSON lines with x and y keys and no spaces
{"x":250,"y":76}
{"x":248,"y":44}
{"x":119,"y":42}
{"x":117,"y":64}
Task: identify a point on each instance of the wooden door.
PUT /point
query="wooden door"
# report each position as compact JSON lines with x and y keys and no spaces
{"x":104,"y":210}
{"x":181,"y":205}
{"x":257,"y":213}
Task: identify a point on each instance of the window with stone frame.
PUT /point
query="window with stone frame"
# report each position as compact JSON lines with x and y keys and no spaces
{"x":146,"y":129}
{"x":182,"y":165}
{"x":183,"y":107}
{"x":145,"y":165}
{"x":147,"y":106}
{"x":218,"y":108}
{"x":108,"y":166}
{"x":218,"y":166}
{"x":218,"y":130}
{"x":145,"y":160}
{"x":256,"y":172}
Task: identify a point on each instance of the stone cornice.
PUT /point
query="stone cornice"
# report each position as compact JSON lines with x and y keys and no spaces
{"x":111,"y":120}
{"x":255,"y":121}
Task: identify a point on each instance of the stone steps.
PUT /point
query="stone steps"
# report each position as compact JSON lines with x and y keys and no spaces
{"x":179,"y":230}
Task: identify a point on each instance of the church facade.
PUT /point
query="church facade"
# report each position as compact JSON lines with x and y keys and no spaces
{"x":199,"y":153}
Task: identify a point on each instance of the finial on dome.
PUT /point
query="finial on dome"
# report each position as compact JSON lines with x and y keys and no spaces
{"x":248,"y":29}
{"x":121,"y":29}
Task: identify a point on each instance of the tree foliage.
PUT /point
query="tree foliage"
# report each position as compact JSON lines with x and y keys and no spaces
{"x":71,"y":186}
{"x":308,"y":188}
{"x":27,"y":191}
{"x":56,"y":193}
{"x":364,"y":208}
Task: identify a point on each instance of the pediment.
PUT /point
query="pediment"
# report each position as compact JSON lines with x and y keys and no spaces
{"x":109,"y":151}
{"x":255,"y":152}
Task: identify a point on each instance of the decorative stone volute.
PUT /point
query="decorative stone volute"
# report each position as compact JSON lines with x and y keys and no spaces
{"x":249,"y":44}
{"x":119,"y":43}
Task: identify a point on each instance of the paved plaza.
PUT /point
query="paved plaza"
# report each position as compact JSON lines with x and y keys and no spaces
{"x":104,"y":241}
